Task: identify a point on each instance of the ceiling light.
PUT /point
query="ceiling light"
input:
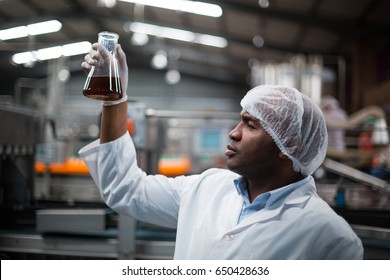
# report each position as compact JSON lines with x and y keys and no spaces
{"x":264,"y":3}
{"x":172,"y":77}
{"x":49,"y":53}
{"x":159,"y":31}
{"x":44,"y":27}
{"x":194,"y":7}
{"x":177,"y":34}
{"x":30,"y":30}
{"x":76,"y":48}
{"x":106,"y":3}
{"x":15,"y":32}
{"x":24,"y":57}
{"x":209,"y":40}
{"x":139,"y":39}
{"x":52,"y":52}
{"x":258,"y":41}
{"x":63,"y":75}
{"x":159,"y":60}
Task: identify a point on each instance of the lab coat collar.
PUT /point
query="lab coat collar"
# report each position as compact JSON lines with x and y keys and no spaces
{"x":278,"y":195}
{"x":297,"y":198}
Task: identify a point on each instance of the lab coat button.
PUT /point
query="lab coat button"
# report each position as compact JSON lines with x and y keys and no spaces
{"x":229,"y":237}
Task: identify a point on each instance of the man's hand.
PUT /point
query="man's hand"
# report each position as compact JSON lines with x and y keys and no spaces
{"x":123,"y":69}
{"x":98,"y":52}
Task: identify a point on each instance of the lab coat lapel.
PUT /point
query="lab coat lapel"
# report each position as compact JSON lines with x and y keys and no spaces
{"x":234,"y":208}
{"x":297,"y":198}
{"x":269,"y":214}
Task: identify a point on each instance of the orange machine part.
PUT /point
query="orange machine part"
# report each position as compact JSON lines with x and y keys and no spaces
{"x":174,"y":166}
{"x":40,"y":167}
{"x":72,"y":166}
{"x":130,"y":126}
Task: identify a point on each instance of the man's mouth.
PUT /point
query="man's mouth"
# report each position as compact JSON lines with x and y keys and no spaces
{"x":230,"y":151}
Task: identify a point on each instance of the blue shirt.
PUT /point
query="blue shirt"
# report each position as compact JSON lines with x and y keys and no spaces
{"x":263,"y":199}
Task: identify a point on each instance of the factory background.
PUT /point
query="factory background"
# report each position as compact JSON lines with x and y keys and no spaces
{"x":188,"y":70}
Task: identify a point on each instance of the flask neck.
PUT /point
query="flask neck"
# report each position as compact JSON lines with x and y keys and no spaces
{"x":108,"y":40}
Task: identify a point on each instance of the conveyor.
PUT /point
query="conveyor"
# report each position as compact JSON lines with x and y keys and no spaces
{"x":369,"y":212}
{"x":83,"y":233}
{"x":356,"y":175}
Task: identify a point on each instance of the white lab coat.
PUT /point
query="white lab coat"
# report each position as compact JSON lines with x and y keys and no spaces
{"x":205,"y":209}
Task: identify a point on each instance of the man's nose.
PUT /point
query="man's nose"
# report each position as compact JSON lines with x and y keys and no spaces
{"x":234,"y":134}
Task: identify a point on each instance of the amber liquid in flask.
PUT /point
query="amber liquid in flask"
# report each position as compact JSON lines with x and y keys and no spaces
{"x":103,"y":82}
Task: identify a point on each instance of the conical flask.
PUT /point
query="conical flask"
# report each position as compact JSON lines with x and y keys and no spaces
{"x":103,"y":81}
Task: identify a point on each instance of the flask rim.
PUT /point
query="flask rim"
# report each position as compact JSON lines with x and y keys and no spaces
{"x":108,"y":35}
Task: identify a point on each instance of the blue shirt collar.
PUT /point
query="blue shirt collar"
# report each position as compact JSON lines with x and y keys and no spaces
{"x":270,"y":197}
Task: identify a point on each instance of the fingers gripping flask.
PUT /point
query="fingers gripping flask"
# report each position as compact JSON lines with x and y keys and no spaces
{"x":103,"y":81}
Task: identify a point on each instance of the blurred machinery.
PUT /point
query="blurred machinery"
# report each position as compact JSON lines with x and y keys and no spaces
{"x":50,"y":207}
{"x":21,"y":130}
{"x":356,"y":179}
{"x":364,"y":202}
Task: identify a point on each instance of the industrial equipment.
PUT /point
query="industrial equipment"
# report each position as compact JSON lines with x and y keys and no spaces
{"x":50,"y":207}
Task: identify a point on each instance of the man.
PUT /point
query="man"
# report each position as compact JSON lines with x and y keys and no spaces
{"x":334,"y":113}
{"x":264,"y":207}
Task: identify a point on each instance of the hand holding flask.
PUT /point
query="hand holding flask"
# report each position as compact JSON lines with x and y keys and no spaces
{"x":103,"y":80}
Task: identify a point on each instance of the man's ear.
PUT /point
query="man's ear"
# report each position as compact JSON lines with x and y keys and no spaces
{"x":283,"y":156}
{"x":291,"y":149}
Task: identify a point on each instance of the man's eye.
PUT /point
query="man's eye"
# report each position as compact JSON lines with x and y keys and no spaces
{"x":250,"y":125}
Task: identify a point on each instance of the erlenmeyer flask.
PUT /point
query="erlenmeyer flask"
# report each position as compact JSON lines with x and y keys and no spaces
{"x":103,"y":81}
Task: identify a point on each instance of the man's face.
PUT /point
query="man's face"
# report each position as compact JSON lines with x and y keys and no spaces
{"x":251,"y":152}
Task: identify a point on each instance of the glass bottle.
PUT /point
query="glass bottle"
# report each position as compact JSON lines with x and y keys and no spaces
{"x":103,"y":81}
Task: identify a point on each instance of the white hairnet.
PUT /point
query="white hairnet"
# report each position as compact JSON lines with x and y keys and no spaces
{"x":293,"y":120}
